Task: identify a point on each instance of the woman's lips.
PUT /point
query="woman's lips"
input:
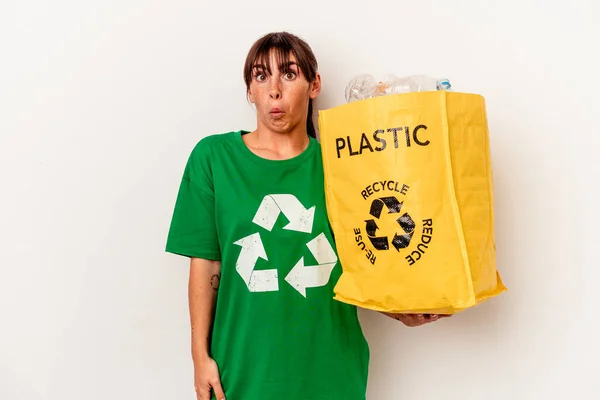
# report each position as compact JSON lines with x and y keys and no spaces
{"x":276,"y":112}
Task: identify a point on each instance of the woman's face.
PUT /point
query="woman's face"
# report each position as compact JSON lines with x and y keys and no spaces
{"x":281,"y":98}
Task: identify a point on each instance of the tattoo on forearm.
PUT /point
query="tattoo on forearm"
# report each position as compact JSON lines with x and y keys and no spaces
{"x":215,"y":280}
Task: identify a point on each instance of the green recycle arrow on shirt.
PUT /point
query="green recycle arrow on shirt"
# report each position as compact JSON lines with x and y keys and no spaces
{"x":301,"y":276}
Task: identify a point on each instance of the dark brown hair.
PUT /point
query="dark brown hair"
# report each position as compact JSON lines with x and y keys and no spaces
{"x":283,"y":44}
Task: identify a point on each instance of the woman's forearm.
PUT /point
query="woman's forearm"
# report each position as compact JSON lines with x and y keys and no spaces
{"x":202,"y":293}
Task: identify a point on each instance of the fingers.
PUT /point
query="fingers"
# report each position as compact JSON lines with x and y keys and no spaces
{"x":435,"y":317}
{"x":218,"y":390}
{"x":412,"y":320}
{"x":202,"y":393}
{"x":409,"y":319}
{"x":422,"y":319}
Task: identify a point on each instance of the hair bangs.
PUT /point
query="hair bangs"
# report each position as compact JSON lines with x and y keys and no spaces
{"x":281,"y":54}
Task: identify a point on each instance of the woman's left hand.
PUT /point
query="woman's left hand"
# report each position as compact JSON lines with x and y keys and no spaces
{"x":413,"y":320}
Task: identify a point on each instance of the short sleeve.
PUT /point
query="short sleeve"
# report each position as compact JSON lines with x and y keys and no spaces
{"x":193,"y":232}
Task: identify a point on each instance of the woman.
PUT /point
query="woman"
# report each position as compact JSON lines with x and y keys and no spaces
{"x":251,"y":215}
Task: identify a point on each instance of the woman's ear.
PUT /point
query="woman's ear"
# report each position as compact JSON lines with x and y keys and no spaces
{"x":315,"y":87}
{"x":250,"y":96}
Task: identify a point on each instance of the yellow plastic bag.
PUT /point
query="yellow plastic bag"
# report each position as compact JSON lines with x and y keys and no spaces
{"x":409,"y":194}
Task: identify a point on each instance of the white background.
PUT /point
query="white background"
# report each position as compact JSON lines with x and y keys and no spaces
{"x":101,"y":102}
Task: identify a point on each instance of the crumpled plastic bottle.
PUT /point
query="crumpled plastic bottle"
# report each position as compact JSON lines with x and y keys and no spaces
{"x":360,"y":87}
{"x":364,"y":86}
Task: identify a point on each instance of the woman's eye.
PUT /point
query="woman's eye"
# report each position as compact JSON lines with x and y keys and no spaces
{"x":260,"y":77}
{"x":290,"y":75}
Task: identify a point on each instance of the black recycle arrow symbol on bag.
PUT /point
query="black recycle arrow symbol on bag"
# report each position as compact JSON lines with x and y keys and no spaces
{"x":406,"y":223}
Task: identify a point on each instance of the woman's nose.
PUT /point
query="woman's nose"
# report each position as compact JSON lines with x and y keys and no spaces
{"x":275,"y":91}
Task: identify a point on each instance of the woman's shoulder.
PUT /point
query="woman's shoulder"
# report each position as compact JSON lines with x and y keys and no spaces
{"x":213,"y":143}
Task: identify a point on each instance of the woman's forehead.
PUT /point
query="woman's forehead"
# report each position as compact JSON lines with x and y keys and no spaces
{"x":280,"y":59}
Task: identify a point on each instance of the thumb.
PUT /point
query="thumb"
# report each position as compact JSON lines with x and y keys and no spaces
{"x":220,"y":395}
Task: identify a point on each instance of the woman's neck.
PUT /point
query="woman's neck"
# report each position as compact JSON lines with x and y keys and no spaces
{"x":277,"y":145}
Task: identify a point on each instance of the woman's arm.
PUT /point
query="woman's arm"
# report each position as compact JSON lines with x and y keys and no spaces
{"x":202,"y":292}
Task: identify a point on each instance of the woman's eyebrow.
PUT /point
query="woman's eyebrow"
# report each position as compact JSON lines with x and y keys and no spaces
{"x":287,"y":65}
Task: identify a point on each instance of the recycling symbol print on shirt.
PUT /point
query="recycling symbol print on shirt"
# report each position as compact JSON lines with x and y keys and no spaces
{"x":300,"y":276}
